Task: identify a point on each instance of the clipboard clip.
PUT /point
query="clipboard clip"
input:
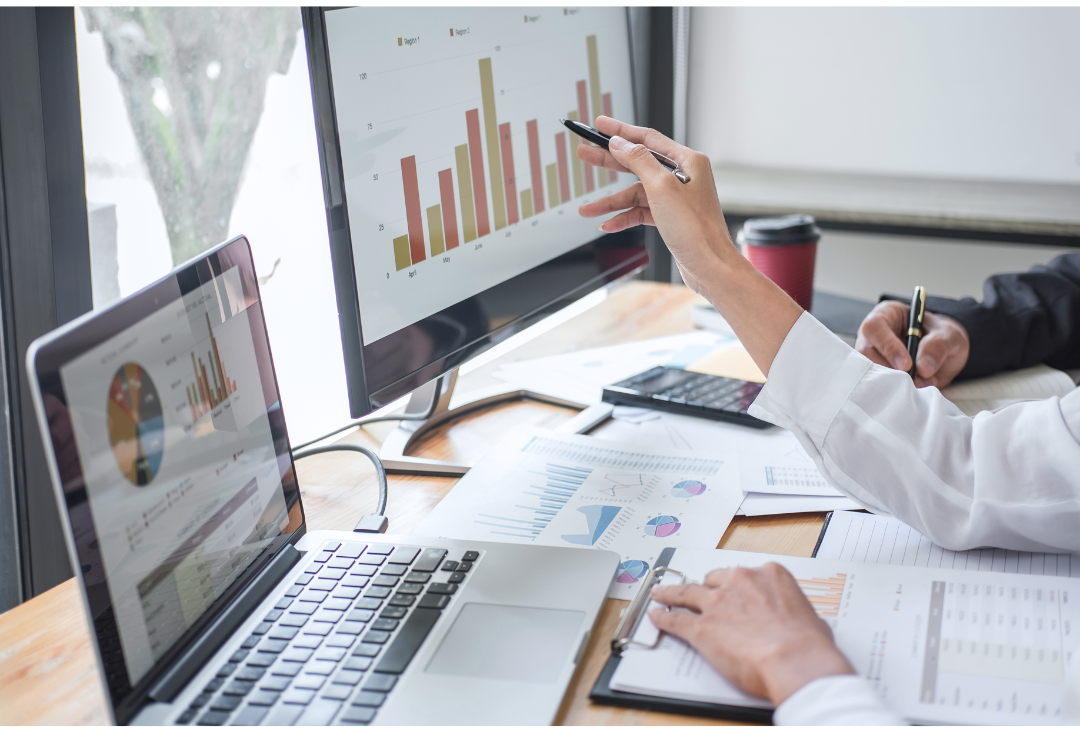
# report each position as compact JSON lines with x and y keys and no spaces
{"x":632,"y":618}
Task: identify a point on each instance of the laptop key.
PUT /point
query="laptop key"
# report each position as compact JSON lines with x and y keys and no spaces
{"x":337,"y":640}
{"x":385,"y":580}
{"x":409,"y":638}
{"x":340,"y":563}
{"x":464,"y":567}
{"x":226,"y":703}
{"x":375,"y":636}
{"x":349,"y":677}
{"x":283,"y":632}
{"x":378,"y":592}
{"x":303,"y":579}
{"x":308,"y":681}
{"x":363,"y":570}
{"x":371,"y":559}
{"x":369,"y":698}
{"x":385,"y":624}
{"x":250,"y":642}
{"x":358,"y":715}
{"x":320,"y":713}
{"x":410,"y":589}
{"x":369,"y":650}
{"x":337,"y":603}
{"x":337,"y":692}
{"x":402,"y":600}
{"x":418,"y":577}
{"x":368,"y":603}
{"x":262,"y":660}
{"x":394,"y":611}
{"x":297,"y":655}
{"x":312,"y":595}
{"x":323,"y":556}
{"x":263,"y":698}
{"x":396,"y":570}
{"x":215,"y":684}
{"x":332,"y":547}
{"x":352,"y":550}
{"x":201,"y":700}
{"x":332,"y":573}
{"x":294,"y":591}
{"x":308,"y":641}
{"x":297,"y":696}
{"x":331,"y":654}
{"x":283,"y":603}
{"x":273,"y":615}
{"x":285,"y":715}
{"x":456,"y":577}
{"x":287,"y":669}
{"x":346,"y":593}
{"x":273,"y":645}
{"x":227,"y":670}
{"x":450,"y":566}
{"x":433,"y":600}
{"x":213,"y":718}
{"x":250,"y":716}
{"x":354,"y":581}
{"x":361,"y":616}
{"x":383,"y":549}
{"x":187,"y":716}
{"x":471,"y":556}
{"x":323,"y":585}
{"x":380,"y":682}
{"x":275,"y":683}
{"x":321,"y":668}
{"x":442,"y":588}
{"x":250,"y":673}
{"x":262,"y":628}
{"x":318,"y":628}
{"x":239,"y":688}
{"x":404,"y":555}
{"x":350,"y":628}
{"x":327,"y":615}
{"x":303,"y":608}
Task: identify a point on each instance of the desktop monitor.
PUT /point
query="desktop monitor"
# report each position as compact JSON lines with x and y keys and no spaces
{"x":451,"y":188}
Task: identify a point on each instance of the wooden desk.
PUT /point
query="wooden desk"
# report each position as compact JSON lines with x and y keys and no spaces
{"x":47,"y":670}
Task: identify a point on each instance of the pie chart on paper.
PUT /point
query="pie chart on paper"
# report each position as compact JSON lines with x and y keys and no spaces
{"x":687,"y":489}
{"x":631,"y":571}
{"x":135,"y":424}
{"x":662,"y":526}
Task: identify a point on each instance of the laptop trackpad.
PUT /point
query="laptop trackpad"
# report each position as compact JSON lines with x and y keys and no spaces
{"x":508,"y":643}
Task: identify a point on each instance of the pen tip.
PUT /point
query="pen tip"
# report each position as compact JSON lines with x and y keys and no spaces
{"x":562,"y":121}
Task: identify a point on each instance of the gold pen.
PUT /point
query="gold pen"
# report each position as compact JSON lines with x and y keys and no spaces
{"x":915,"y":324}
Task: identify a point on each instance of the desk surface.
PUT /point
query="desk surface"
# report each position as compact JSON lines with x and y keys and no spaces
{"x":47,"y":669}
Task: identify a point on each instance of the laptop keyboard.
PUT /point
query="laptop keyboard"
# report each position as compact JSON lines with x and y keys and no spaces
{"x":332,"y":649}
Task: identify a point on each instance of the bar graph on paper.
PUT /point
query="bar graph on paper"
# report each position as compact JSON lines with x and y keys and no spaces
{"x":457,"y":171}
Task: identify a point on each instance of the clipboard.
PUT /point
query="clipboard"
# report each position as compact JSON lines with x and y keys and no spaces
{"x":602,"y":693}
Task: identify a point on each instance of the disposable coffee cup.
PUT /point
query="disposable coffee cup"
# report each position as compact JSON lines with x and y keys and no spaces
{"x":784,"y":248}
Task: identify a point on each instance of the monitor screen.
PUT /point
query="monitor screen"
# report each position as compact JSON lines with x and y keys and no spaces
{"x":456,"y":178}
{"x":164,"y":417}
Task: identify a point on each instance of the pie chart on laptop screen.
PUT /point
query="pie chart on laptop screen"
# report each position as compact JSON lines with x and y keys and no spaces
{"x":135,"y":424}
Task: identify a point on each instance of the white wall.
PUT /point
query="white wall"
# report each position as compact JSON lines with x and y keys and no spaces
{"x":957,"y":92}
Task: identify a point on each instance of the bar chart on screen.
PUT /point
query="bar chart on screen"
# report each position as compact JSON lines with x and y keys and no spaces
{"x":458,"y":174}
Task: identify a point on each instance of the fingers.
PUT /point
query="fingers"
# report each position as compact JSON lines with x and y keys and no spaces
{"x":630,"y":219}
{"x":689,"y":596}
{"x":651,"y":138}
{"x":717,"y":578}
{"x":934,"y":348}
{"x":877,"y":333}
{"x":631,"y":197}
{"x":639,"y":161}
{"x":599,"y":157}
{"x":679,"y":623}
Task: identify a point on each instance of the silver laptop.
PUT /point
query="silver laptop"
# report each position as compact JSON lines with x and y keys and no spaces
{"x":210,"y":603}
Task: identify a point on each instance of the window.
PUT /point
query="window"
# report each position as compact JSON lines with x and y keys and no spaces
{"x":198,"y":126}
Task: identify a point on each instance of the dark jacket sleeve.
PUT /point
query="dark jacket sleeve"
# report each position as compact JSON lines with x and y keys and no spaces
{"x":1024,"y":319}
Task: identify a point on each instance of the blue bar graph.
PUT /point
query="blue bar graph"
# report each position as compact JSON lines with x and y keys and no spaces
{"x":540,"y":502}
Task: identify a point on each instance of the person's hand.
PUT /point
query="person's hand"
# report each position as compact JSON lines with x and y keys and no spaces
{"x":688,"y":216}
{"x":755,"y":627}
{"x":943,"y":349}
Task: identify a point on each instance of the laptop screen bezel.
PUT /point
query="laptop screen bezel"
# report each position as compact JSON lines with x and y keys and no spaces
{"x":63,"y":346}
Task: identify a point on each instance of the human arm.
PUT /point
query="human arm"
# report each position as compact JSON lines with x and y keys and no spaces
{"x":757,"y":628}
{"x":1023,"y":319}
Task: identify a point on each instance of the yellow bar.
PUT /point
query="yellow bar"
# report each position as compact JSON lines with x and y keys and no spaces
{"x":464,"y":178}
{"x":491,"y":133}
{"x":526,"y":204}
{"x":401,"y":252}
{"x":594,"y":91}
{"x":434,"y":224}
{"x":553,"y":184}
{"x":575,"y":163}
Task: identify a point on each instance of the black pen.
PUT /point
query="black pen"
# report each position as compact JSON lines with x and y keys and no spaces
{"x":600,"y":140}
{"x":915,"y":322}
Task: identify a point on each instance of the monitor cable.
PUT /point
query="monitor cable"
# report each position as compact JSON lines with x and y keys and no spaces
{"x":372,"y":523}
{"x":361,"y":423}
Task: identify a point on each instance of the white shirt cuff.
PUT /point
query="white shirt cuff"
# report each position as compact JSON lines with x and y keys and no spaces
{"x":810,"y":379}
{"x":835,"y":701}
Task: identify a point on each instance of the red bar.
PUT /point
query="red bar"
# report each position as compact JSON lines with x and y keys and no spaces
{"x":564,"y":173}
{"x":534,"y":165}
{"x":449,"y":212}
{"x":508,"y":173}
{"x":607,"y":112}
{"x":476,"y":163}
{"x":583,"y":114}
{"x":412,"y":209}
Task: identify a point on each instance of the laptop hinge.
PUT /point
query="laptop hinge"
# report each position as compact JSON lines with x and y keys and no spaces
{"x":177,"y":677}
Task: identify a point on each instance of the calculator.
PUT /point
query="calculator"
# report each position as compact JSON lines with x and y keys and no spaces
{"x":688,"y":393}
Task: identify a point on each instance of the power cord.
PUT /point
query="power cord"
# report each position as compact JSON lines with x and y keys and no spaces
{"x":361,"y":423}
{"x":372,"y":523}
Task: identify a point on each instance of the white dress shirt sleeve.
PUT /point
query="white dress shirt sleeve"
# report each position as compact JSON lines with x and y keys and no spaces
{"x":835,"y":701}
{"x":1008,"y":479}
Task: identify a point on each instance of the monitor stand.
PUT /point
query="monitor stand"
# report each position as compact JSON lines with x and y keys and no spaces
{"x":432,"y":402}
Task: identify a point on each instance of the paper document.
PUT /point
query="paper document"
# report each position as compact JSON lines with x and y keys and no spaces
{"x":540,"y":487}
{"x":937,"y":646}
{"x":885,"y":540}
{"x":581,"y":376}
{"x":997,"y":391}
{"x":767,"y":504}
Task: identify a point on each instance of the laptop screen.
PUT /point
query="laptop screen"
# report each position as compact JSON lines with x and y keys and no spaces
{"x":171,"y":447}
